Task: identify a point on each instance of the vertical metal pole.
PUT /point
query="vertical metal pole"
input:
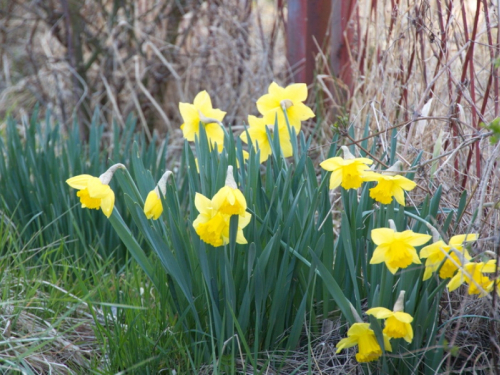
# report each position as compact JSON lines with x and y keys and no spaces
{"x":342,"y":38}
{"x":307,"y":21}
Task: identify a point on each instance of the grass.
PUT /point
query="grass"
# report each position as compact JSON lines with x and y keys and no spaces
{"x":61,"y":318}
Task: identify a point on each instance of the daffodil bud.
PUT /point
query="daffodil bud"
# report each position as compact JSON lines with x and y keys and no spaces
{"x":108,"y":175}
{"x":153,"y":206}
{"x":400,"y":303}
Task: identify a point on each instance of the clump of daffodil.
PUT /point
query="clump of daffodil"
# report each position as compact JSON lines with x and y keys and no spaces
{"x":153,"y":207}
{"x":362,"y":335}
{"x":213,"y":221}
{"x":202,"y":111}
{"x":473,"y":273}
{"x":347,"y":171}
{"x":389,"y":184}
{"x":257,"y":130}
{"x":397,"y":323}
{"x":439,"y":250}
{"x":396,"y":249}
{"x":280,"y":100}
{"x":94,"y":192}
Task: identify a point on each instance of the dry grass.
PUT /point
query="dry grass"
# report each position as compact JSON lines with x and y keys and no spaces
{"x":144,"y":58}
{"x":36,"y":339}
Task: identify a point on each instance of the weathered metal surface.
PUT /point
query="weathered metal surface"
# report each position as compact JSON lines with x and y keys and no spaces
{"x":307,"y":28}
{"x":341,"y":40}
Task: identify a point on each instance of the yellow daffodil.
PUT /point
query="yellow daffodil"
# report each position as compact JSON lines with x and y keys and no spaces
{"x":213,"y":221}
{"x":368,"y":348}
{"x":398,"y":323}
{"x":438,"y":251}
{"x":202,"y":111}
{"x":346,"y":171}
{"x":473,"y":274}
{"x":396,"y":249}
{"x":94,"y":192}
{"x":389,"y":184}
{"x":258,"y":134}
{"x":229,"y":200}
{"x":289,"y":100}
{"x":210,"y":224}
{"x":153,"y":207}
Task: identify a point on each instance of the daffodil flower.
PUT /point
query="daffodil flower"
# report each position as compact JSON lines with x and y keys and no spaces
{"x":257,"y":130}
{"x":396,"y":249}
{"x":229,"y":200}
{"x":94,"y":192}
{"x":289,"y":100}
{"x":473,"y":274}
{"x":368,"y":348}
{"x":346,"y":171}
{"x":213,"y":221}
{"x":153,"y":207}
{"x":439,"y":250}
{"x":210,"y":224}
{"x":202,"y":111}
{"x":389,"y":184}
{"x":397,"y":323}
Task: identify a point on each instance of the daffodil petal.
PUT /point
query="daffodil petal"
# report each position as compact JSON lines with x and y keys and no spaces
{"x":107,"y":203}
{"x":404,"y":182}
{"x":382,"y":235}
{"x":380,"y":312}
{"x":296,"y":92}
{"x":79,"y":182}
{"x":346,"y":343}
{"x":202,"y":203}
{"x":379,"y":254}
{"x":461,"y":238}
{"x":331,"y":164}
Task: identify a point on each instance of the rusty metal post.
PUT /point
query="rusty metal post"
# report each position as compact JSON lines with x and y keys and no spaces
{"x":307,"y":20}
{"x":327,"y":21}
{"x":342,"y":30}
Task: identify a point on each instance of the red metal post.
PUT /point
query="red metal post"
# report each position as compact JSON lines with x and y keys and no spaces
{"x":342,"y":39}
{"x":307,"y":21}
